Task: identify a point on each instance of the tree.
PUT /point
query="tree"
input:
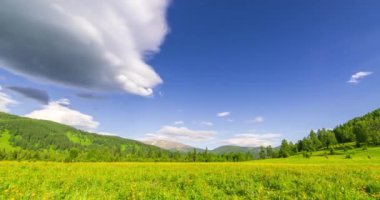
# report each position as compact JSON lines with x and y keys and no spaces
{"x":74,"y":152}
{"x":284,"y":149}
{"x":362,"y":131}
{"x":293,"y":148}
{"x":262,"y":153}
{"x":248,"y":155}
{"x":194,"y":155}
{"x":344,"y":134}
{"x":307,"y":145}
{"x":315,"y":142}
{"x":376,"y":137}
{"x":207,"y":156}
{"x":270,"y":153}
{"x":327,"y":138}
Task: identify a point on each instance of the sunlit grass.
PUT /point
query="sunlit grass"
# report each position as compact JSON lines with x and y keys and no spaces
{"x":317,"y":177}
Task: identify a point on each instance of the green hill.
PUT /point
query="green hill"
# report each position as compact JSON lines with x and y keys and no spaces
{"x":28,"y":138}
{"x":359,"y":132}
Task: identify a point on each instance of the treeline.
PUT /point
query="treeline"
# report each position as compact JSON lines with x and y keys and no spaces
{"x":76,"y":155}
{"x":362,"y":131}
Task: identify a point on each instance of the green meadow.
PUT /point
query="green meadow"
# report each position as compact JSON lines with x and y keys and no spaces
{"x":319,"y":177}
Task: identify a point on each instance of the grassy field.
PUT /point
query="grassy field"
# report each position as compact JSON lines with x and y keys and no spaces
{"x":4,"y":140}
{"x":318,"y":177}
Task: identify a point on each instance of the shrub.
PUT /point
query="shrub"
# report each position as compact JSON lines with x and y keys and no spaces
{"x":306,"y":154}
{"x":373,"y":188}
{"x":332,"y":152}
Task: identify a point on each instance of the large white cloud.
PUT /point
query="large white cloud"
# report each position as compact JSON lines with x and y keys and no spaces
{"x":181,"y":134}
{"x":5,"y":101}
{"x":92,"y":44}
{"x":253,"y":140}
{"x":59,"y":111}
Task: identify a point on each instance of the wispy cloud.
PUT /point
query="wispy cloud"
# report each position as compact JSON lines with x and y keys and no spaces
{"x":223,"y":114}
{"x":254,"y":140}
{"x":59,"y":111}
{"x":105,"y":133}
{"x":257,"y":120}
{"x":5,"y":101}
{"x":85,"y":95}
{"x":181,"y":134}
{"x":355,"y":78}
{"x":179,"y":123}
{"x":205,"y":123}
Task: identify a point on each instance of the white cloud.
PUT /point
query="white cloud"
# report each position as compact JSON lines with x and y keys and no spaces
{"x":204,"y":123}
{"x":91,"y":44}
{"x":223,"y":114}
{"x":105,"y":133}
{"x":257,"y":120}
{"x":357,"y":76}
{"x":254,"y":140}
{"x":5,"y":101}
{"x":179,"y":123}
{"x":59,"y":111}
{"x":181,"y":134}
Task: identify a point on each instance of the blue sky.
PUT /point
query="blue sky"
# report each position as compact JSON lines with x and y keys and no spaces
{"x":279,"y":69}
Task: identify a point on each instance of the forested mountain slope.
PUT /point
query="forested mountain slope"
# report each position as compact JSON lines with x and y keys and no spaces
{"x":359,"y":132}
{"x":30,"y":138}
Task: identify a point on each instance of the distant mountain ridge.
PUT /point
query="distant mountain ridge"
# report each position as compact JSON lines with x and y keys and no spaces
{"x":170,"y":145}
{"x":176,"y":146}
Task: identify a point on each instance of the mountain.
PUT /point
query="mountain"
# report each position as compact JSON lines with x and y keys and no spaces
{"x":183,"y":148}
{"x":40,"y":139}
{"x":170,"y":145}
{"x":236,"y":149}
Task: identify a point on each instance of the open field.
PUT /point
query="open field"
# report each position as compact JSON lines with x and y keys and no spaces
{"x":315,"y":178}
